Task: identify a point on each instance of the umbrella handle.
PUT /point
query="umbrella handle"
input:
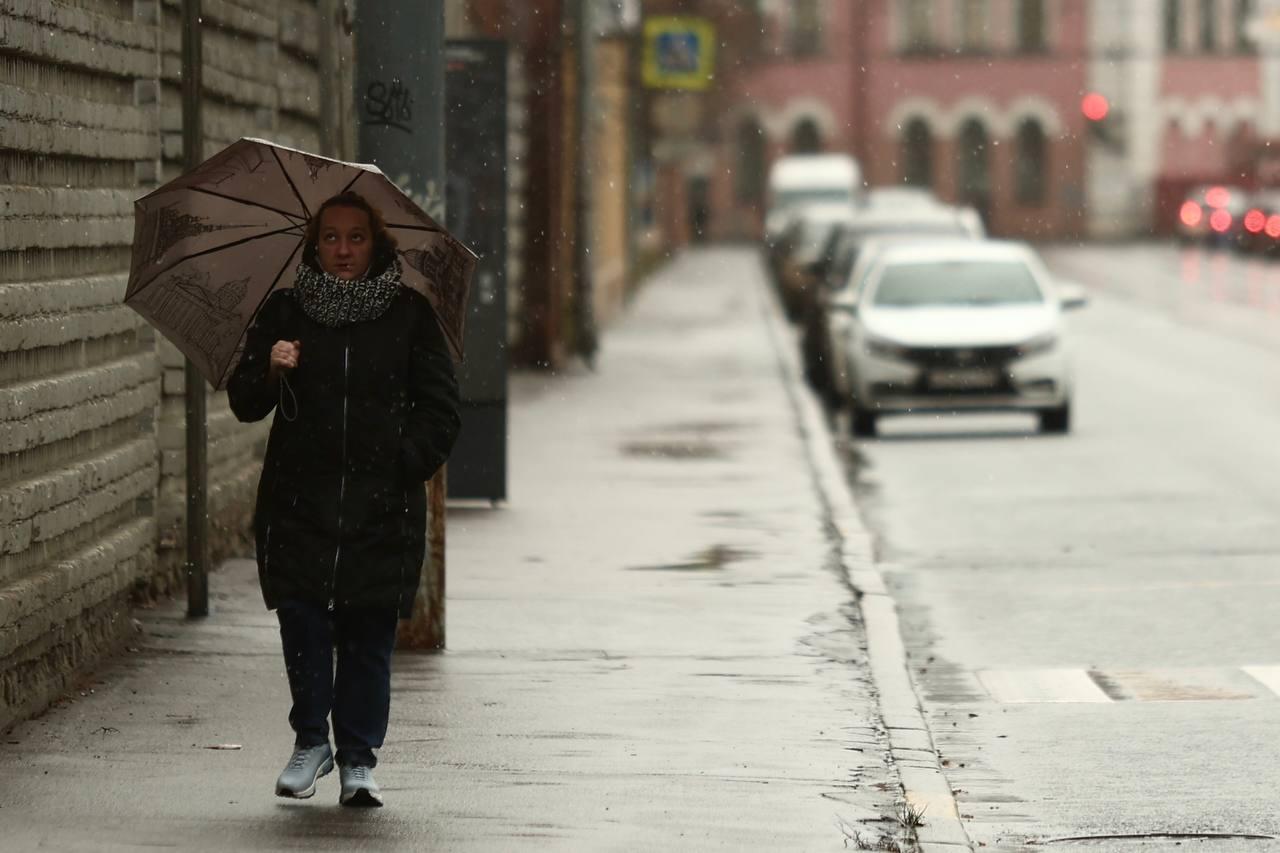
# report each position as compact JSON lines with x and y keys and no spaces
{"x":284,"y":386}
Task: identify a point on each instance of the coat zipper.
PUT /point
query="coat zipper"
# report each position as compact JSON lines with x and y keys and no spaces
{"x":342,"y":482}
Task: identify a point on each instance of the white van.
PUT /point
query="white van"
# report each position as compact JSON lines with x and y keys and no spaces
{"x":805,"y":179}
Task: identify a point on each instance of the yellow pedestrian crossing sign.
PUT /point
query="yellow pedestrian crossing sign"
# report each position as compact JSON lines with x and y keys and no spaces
{"x":679,"y":53}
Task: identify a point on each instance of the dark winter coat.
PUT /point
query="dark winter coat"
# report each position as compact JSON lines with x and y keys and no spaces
{"x":341,"y":513}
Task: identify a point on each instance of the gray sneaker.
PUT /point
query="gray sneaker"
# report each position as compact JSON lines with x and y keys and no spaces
{"x":358,"y":787}
{"x":306,"y":766}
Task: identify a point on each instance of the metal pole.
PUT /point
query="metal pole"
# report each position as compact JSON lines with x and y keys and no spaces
{"x":197,"y":430}
{"x":400,"y":102}
{"x":584,"y":298}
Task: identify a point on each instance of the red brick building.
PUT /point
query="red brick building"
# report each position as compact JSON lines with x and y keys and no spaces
{"x":981,"y":101}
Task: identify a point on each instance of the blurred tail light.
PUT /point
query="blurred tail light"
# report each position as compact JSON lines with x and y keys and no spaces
{"x":1254,"y":221}
{"x":1273,"y":226}
{"x":1191,"y":214}
{"x":1220,"y":221}
{"x":1217,"y":197}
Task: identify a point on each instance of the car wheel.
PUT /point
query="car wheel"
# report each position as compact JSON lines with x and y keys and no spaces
{"x":861,"y":422}
{"x":1056,"y":420}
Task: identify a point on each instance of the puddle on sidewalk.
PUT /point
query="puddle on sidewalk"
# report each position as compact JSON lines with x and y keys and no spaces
{"x":714,"y":558}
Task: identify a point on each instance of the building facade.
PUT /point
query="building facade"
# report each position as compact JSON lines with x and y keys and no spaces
{"x":980,"y":100}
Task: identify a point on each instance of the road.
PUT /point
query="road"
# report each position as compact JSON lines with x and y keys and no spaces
{"x":1092,"y":619}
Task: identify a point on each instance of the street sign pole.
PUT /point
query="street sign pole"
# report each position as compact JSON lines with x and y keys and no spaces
{"x":197,"y":565}
{"x":400,"y":104}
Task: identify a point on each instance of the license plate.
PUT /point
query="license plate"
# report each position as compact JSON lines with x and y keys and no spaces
{"x":964,"y":379}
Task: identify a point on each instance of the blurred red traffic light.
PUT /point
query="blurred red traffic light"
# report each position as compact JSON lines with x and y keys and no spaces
{"x":1190,"y":214}
{"x":1254,"y":221}
{"x":1095,"y":107}
{"x":1217,"y":197}
{"x":1220,"y":221}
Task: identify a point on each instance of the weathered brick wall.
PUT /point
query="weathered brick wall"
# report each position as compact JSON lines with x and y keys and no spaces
{"x":91,"y":417}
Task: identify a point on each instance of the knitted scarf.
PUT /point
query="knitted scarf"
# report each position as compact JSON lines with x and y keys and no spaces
{"x":331,"y":301}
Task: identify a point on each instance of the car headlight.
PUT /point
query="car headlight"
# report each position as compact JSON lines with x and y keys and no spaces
{"x":1039,"y":344}
{"x":885,"y":348}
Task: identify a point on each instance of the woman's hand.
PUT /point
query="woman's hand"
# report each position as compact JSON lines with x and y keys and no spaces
{"x":284,"y":356}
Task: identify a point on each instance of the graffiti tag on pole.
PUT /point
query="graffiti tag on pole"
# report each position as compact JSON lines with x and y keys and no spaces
{"x":388,"y":105}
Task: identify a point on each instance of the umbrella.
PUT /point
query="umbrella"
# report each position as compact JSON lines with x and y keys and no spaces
{"x":210,"y":246}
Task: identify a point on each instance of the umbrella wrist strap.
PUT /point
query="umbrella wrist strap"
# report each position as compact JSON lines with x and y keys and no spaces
{"x":286,"y":388}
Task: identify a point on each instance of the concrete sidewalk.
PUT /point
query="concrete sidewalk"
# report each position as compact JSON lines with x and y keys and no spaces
{"x":652,"y":646}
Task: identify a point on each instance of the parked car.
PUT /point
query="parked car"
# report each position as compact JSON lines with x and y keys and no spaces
{"x":900,"y":198}
{"x":957,"y":326}
{"x":1258,"y":230}
{"x":1210,"y":214}
{"x":837,"y":260}
{"x":807,"y":243}
{"x":805,"y":179}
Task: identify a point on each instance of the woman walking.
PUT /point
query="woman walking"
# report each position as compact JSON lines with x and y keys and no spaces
{"x":360,"y":377}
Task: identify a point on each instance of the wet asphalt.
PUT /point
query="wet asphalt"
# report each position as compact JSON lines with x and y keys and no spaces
{"x":1091,"y":619}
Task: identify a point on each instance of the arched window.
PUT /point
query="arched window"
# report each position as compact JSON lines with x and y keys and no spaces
{"x":917,"y":154}
{"x":1031,"y":26}
{"x":750,"y":174}
{"x":973,"y":25}
{"x":806,"y":28}
{"x":917,"y":16}
{"x":973,"y":172}
{"x":1243,"y":14}
{"x":1208,"y":25}
{"x":806,"y":138}
{"x":1172,"y":26}
{"x":1031,"y":164}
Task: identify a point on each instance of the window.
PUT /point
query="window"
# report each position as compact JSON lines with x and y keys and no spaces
{"x":1243,"y":13}
{"x":1172,"y":26}
{"x":1208,"y":25}
{"x":917,"y":154}
{"x":749,"y":179}
{"x":918,"y":17}
{"x":957,"y":284}
{"x":973,"y":25}
{"x":806,"y":138}
{"x":1030,"y":164}
{"x":806,"y":28}
{"x":1031,"y":28}
{"x":973,"y":174}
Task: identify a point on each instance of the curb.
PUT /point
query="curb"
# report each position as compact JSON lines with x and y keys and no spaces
{"x":911,"y":745}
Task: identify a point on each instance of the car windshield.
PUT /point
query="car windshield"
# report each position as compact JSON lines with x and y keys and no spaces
{"x":957,"y":283}
{"x":949,"y":228}
{"x":812,"y":195}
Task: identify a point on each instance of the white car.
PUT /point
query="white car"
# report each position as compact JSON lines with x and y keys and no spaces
{"x":955,"y":326}
{"x":809,"y":179}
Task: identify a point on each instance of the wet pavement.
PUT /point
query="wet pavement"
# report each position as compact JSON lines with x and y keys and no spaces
{"x":652,"y":646}
{"x":1091,"y":618}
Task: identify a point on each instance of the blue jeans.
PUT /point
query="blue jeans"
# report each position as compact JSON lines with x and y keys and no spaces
{"x":359,"y":695}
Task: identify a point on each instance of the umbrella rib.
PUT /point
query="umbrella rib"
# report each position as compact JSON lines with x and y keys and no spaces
{"x":270,"y":290}
{"x":359,"y":174}
{"x":200,"y":254}
{"x":292,"y":186}
{"x":284,"y":213}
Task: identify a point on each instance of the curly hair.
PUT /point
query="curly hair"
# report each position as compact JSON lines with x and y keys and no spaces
{"x":384,"y":242}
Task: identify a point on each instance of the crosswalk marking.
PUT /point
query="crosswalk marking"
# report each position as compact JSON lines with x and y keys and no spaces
{"x":1061,"y":685}
{"x":1269,"y":676}
{"x":1041,"y":685}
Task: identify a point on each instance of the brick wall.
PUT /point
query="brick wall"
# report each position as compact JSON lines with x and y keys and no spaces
{"x":91,"y":417}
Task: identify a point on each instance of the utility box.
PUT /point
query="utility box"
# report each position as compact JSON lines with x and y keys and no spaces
{"x":476,"y":213}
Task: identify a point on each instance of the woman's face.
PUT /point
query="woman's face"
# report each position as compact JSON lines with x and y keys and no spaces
{"x":346,"y":242}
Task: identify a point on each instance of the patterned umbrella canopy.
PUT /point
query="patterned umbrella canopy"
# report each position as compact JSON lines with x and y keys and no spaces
{"x":210,"y":246}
